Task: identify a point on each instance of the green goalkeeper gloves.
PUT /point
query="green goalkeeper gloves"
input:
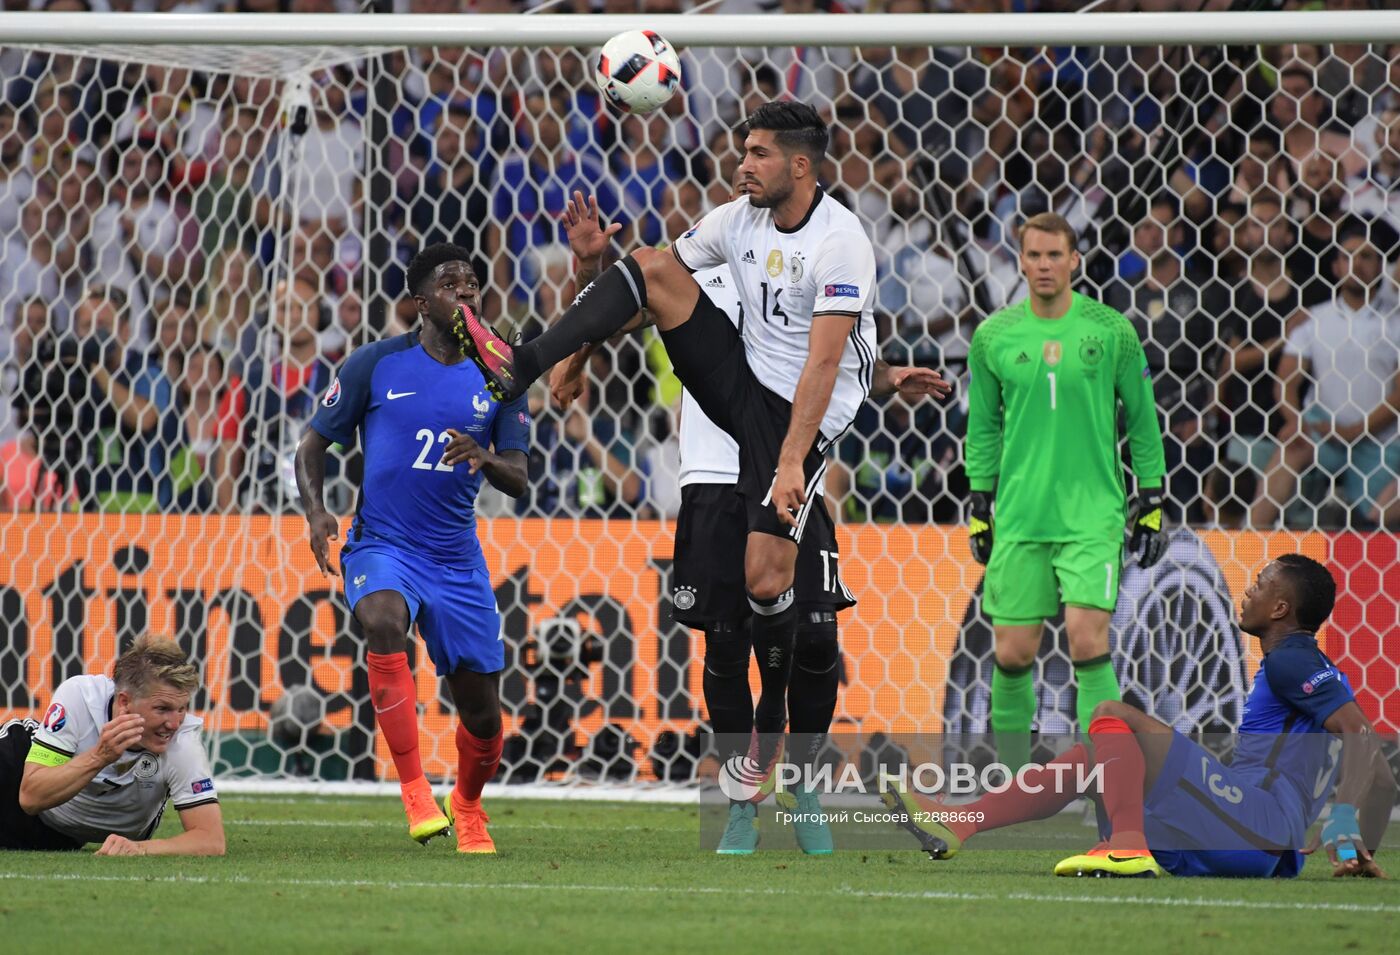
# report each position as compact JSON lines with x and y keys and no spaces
{"x":1148,"y":536}
{"x":979,"y":526}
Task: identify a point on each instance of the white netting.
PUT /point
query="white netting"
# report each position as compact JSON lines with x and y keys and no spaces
{"x":194,"y":236}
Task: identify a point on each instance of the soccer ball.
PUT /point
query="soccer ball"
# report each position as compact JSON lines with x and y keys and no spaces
{"x":638,"y":71}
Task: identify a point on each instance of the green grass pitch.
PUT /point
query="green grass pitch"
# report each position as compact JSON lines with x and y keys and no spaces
{"x":311,"y":874}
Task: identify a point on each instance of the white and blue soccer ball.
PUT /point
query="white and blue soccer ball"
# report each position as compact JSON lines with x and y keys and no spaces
{"x":638,"y":71}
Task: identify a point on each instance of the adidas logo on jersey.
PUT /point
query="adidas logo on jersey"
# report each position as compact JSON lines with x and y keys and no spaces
{"x":748,"y":258}
{"x":715,"y":282}
{"x":1022,"y":358}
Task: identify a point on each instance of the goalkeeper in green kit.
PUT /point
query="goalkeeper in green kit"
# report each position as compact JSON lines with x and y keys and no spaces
{"x":1047,"y":375}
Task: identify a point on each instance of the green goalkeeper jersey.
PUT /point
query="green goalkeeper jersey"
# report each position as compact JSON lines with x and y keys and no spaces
{"x":1042,"y":428}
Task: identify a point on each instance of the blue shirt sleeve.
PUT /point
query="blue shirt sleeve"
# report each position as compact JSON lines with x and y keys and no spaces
{"x":342,"y":408}
{"x":511,"y":429}
{"x":1307,"y":681}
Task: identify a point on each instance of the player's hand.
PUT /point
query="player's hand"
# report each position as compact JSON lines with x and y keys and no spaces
{"x":913,"y":382}
{"x":121,"y":846}
{"x":979,"y":526}
{"x":120,"y":734}
{"x":462,"y":447}
{"x":788,"y":493}
{"x":324,"y":526}
{"x":1149,"y":534}
{"x":1341,"y":834}
{"x":576,"y":427}
{"x":566,"y":381}
{"x":588,"y":239}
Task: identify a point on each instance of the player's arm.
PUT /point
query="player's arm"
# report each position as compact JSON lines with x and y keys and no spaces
{"x":982,"y":451}
{"x":1366,"y":787}
{"x":203,"y":836}
{"x":1133,"y":384}
{"x":588,"y":241}
{"x":912,"y":381}
{"x":311,"y":482}
{"x":51,"y":777}
{"x":825,"y":344}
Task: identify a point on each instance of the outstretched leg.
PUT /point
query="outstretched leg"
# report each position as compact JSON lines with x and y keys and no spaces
{"x":647,"y":279}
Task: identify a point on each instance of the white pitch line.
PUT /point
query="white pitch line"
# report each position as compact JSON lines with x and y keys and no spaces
{"x":375,"y":823}
{"x":840,"y":892}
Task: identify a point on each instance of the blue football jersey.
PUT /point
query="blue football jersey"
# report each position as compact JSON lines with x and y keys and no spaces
{"x":1282,"y":739}
{"x":402,"y":401}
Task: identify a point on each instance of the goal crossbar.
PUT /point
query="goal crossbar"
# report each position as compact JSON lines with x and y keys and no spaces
{"x":1036,"y":30}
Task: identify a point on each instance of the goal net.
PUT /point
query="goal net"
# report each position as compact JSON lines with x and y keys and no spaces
{"x":194,"y":235}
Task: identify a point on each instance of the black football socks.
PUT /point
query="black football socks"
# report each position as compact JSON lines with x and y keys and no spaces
{"x":597,"y":313}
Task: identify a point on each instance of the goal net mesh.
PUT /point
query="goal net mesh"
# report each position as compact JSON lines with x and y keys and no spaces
{"x":192,"y":238}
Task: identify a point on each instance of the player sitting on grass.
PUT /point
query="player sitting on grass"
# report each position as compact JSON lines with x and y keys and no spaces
{"x":431,"y":433}
{"x":109,"y":753}
{"x":1173,"y":806}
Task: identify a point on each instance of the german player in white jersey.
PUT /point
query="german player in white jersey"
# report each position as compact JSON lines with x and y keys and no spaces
{"x":107,"y":756}
{"x":786,"y":388}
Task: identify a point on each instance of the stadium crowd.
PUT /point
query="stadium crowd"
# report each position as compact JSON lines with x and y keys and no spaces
{"x":181,"y":269}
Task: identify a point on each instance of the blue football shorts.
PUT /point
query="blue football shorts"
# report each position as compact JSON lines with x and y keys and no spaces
{"x":1203,"y":819}
{"x":454,"y":607}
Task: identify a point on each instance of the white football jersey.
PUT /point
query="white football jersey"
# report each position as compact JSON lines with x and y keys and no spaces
{"x":823,"y":266}
{"x":708,"y":454}
{"x":127,"y":797}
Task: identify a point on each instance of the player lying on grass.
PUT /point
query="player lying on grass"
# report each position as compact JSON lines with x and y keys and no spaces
{"x":109,"y":753}
{"x":1171,"y":805}
{"x":431,"y":433}
{"x":708,"y":573}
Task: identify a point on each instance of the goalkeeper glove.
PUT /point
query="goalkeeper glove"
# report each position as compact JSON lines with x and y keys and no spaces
{"x":1341,"y":833}
{"x":1146,"y":524}
{"x":979,"y":526}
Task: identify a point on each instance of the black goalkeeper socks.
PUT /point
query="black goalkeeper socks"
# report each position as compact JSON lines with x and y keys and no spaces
{"x":596,"y":315}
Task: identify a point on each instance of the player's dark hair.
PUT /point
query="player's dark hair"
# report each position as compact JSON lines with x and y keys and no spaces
{"x":1314,"y":590}
{"x":795,"y":127}
{"x":425,"y":262}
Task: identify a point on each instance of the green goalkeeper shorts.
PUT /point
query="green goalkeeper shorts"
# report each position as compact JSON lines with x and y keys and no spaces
{"x":1028,"y":580}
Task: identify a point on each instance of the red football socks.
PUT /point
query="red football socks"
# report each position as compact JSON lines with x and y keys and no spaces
{"x":1056,"y":782}
{"x":1117,"y":751}
{"x":396,"y":710}
{"x":477,"y":761}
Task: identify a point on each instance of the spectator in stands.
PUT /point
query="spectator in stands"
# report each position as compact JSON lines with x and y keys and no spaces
{"x":581,"y":464}
{"x":207,"y":449}
{"x":646,"y":169}
{"x":924,"y":96}
{"x":1178,"y":335}
{"x":27,"y":259}
{"x":233,"y":205}
{"x":327,"y":181}
{"x":1316,"y":203}
{"x":134,"y":238}
{"x":1262,"y":309}
{"x":1160,"y":230}
{"x":1263,"y":166}
{"x":28,"y":484}
{"x":1375,"y":191}
{"x":453,"y":202}
{"x":16,"y":177}
{"x":285,"y":381}
{"x":532,"y":187}
{"x":893,"y":464}
{"x":1350,"y":348}
{"x":234,"y":297}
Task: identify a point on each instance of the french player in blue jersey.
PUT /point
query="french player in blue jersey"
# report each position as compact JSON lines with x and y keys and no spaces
{"x":431,"y":433}
{"x":1172,"y":806}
